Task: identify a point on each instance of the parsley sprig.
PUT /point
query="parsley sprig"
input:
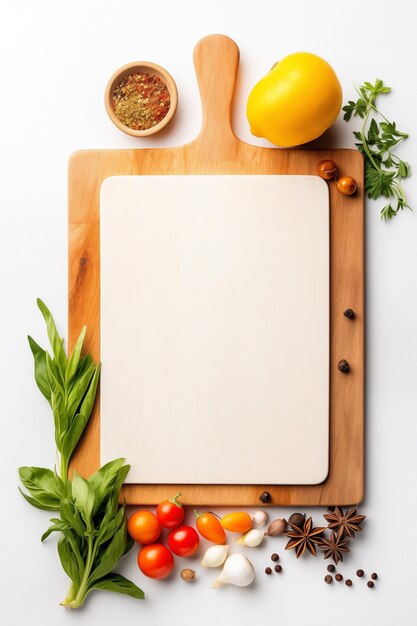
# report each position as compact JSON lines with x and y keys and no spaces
{"x":384,"y":170}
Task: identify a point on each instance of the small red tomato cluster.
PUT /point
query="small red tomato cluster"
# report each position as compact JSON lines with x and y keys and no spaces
{"x":154,"y":559}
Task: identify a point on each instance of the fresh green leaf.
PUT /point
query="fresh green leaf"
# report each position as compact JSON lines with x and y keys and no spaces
{"x":54,"y":339}
{"x":110,"y":554}
{"x":41,"y":377}
{"x":118,"y":584}
{"x":68,"y":560}
{"x":69,"y":514}
{"x":84,"y":498}
{"x":57,"y":526}
{"x":77,"y":426}
{"x":108,"y":480}
{"x":74,"y":361}
{"x":43,"y":488}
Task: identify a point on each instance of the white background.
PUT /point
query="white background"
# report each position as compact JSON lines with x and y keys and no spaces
{"x":55,"y":60}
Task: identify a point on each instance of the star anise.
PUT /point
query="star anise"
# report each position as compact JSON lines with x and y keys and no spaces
{"x":304,"y":536}
{"x":334,"y":547}
{"x":344,"y":524}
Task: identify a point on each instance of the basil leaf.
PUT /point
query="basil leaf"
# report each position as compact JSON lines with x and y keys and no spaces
{"x":108,"y":557}
{"x":54,"y":339}
{"x":118,"y":584}
{"x":76,"y":428}
{"x":68,"y":560}
{"x":75,"y":358}
{"x":39,"y":356}
{"x":42,"y":486}
{"x":84,"y":497}
{"x":79,"y":550}
{"x":79,"y":389}
{"x":108,"y":480}
{"x":109,"y":527}
{"x":73,"y":517}
{"x":53,"y":375}
{"x":58,"y":526}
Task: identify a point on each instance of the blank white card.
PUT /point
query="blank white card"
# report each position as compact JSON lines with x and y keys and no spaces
{"x":215,"y":328}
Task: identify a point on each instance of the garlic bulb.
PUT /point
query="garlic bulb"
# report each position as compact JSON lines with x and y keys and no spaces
{"x":237,"y":571}
{"x":260,"y":518}
{"x":215,"y":556}
{"x":252,"y":538}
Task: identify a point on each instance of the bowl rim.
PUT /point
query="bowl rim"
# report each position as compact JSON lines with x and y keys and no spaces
{"x":140,"y":66}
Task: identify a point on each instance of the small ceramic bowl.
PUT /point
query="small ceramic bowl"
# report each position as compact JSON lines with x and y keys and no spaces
{"x":147,"y":68}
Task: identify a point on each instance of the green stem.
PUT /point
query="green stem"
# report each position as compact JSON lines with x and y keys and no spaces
{"x":365,"y":143}
{"x":63,"y":472}
{"x":79,"y":597}
{"x":72,"y":591}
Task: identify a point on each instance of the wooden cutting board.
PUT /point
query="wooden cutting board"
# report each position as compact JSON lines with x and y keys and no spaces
{"x":218,"y":151}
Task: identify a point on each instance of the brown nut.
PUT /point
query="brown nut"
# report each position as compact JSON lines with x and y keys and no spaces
{"x":276,"y":527}
{"x":188,"y":574}
{"x":347,"y":185}
{"x":327,"y":169}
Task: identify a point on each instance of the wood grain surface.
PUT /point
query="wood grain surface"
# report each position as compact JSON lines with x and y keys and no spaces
{"x":218,"y":150}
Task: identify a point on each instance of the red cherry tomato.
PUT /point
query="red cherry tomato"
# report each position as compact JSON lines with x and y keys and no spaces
{"x":183,"y":541}
{"x":155,"y":561}
{"x":170,"y":513}
{"x":143,"y":527}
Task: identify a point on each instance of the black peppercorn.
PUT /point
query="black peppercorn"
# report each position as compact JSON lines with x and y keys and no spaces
{"x":349,"y":313}
{"x":278,"y":569}
{"x":331,"y":568}
{"x":348,"y":582}
{"x":274,"y":557}
{"x":343,"y":366}
{"x":374,"y":576}
{"x":328,"y":579}
{"x":268,"y":570}
{"x":265,"y":497}
{"x":370,"y":584}
{"x":339,"y":577}
{"x":360,"y":573}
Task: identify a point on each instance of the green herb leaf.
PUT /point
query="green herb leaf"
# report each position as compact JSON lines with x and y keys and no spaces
{"x":57,"y":526}
{"x":43,"y":488}
{"x":39,"y":356}
{"x":110,"y":554}
{"x":68,"y":560}
{"x":76,"y":427}
{"x":376,"y":140}
{"x":55,"y":341}
{"x":118,"y":584}
{"x":107,"y":482}
{"x":74,"y":361}
{"x":84,"y":498}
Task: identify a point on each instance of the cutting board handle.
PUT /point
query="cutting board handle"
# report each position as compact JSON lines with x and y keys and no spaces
{"x":216,"y":59}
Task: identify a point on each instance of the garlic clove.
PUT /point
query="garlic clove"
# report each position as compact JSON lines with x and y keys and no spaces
{"x":215,"y":556}
{"x":252,"y":538}
{"x":260,"y":518}
{"x":237,"y":570}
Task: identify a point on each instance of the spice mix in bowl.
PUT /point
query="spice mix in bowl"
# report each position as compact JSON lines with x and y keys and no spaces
{"x":141,"y":98}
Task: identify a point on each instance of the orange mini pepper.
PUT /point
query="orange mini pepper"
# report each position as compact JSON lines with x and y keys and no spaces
{"x":239,"y":522}
{"x":209,"y":527}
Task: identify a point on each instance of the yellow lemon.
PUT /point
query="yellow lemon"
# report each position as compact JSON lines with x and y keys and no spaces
{"x":296,"y":101}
